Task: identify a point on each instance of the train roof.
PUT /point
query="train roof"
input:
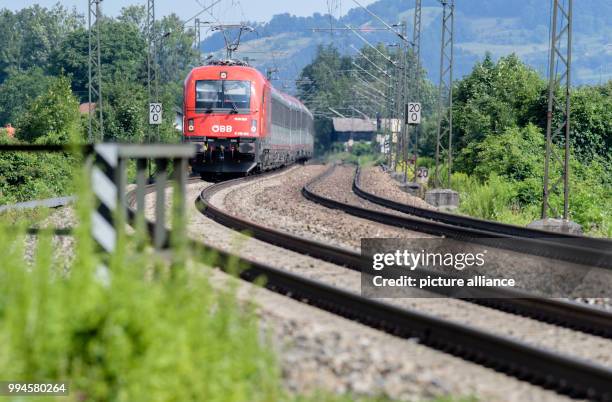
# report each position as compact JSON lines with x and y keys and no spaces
{"x":289,"y":100}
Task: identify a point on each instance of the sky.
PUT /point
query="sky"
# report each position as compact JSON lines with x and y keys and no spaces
{"x":227,"y":10}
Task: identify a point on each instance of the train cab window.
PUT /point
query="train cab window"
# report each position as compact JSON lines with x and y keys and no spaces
{"x":223,"y":96}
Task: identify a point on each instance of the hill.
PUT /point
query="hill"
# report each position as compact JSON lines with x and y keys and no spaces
{"x":500,"y":27}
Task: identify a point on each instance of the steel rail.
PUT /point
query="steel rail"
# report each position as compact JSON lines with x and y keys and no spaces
{"x":562,"y":313}
{"x":491,"y":226}
{"x":559,"y":249}
{"x":570,"y":376}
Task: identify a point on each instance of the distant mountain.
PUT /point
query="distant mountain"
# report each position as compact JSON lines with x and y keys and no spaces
{"x":287,"y":42}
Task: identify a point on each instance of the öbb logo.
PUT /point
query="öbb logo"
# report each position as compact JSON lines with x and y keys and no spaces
{"x":221,"y":129}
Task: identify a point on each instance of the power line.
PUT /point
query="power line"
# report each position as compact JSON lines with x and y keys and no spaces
{"x":401,"y":35}
{"x":369,"y":73}
{"x":370,"y":61}
{"x":369,"y":44}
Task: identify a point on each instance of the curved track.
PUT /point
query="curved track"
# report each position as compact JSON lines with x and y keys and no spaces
{"x":573,"y":248}
{"x":570,"y":376}
{"x":562,"y":313}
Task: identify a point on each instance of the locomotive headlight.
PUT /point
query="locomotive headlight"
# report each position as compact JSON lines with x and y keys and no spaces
{"x":223,"y":75}
{"x":190,"y":125}
{"x":253,"y":126}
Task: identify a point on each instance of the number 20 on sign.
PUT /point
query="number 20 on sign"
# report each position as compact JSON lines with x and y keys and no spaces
{"x":155,"y":113}
{"x":413,"y":113}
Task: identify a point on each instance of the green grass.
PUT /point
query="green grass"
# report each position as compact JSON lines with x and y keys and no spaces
{"x":497,"y":199}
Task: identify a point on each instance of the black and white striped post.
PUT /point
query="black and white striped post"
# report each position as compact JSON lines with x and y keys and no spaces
{"x":108,"y":187}
{"x":109,"y":179}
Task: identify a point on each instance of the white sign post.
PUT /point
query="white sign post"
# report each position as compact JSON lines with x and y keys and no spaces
{"x":413,"y":113}
{"x":155,"y":113}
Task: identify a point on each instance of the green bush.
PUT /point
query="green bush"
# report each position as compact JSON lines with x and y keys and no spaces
{"x":591,"y":196}
{"x":516,"y":154}
{"x":25,"y":176}
{"x":361,"y":148}
{"x":426,"y":161}
{"x":53,"y":117}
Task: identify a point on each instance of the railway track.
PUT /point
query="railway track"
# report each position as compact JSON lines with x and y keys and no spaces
{"x":589,"y":250}
{"x":570,"y":376}
{"x":561,"y":247}
{"x":567,"y":314}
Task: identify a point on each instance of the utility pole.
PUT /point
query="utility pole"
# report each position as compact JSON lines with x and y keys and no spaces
{"x":389,"y":122}
{"x":152,"y":72}
{"x":197,"y":39}
{"x":416,"y":51}
{"x":558,"y":129}
{"x":445,"y":95}
{"x":399,"y":67}
{"x":404,"y":98}
{"x":95,"y":120}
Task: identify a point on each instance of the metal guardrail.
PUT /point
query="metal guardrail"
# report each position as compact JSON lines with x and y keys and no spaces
{"x":567,"y":375}
{"x":46,"y":203}
{"x":109,"y":177}
{"x":107,"y":164}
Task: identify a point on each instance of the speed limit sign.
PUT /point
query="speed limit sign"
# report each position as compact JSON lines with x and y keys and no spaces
{"x":413,"y":113}
{"x":155,"y":113}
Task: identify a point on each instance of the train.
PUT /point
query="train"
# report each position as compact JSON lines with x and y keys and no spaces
{"x":240,"y":123}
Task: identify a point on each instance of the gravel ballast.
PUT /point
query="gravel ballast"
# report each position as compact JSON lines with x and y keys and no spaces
{"x":321,"y":351}
{"x":278,"y":199}
{"x":278,"y":203}
{"x":377,"y":182}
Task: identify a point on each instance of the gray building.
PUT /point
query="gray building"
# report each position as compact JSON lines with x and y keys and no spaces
{"x":349,"y":128}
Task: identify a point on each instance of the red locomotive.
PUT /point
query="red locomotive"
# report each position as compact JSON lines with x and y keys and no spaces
{"x":240,"y":123}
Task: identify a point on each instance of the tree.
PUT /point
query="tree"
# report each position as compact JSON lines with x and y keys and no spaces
{"x":591,"y":121}
{"x":123,"y":55}
{"x":10,"y":39}
{"x":19,"y":90}
{"x":28,"y":37}
{"x":492,"y":99}
{"x":176,"y":53}
{"x":52,"y":117}
{"x":124,"y":103}
{"x":325,"y":83}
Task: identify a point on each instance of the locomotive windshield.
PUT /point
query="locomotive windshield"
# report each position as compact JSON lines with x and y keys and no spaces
{"x":223,"y":95}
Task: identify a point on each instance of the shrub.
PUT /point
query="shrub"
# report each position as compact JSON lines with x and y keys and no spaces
{"x":53,"y":117}
{"x":516,"y":154}
{"x":364,"y":148}
{"x":26,"y":176}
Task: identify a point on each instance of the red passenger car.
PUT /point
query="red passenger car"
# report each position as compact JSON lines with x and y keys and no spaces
{"x":240,"y":123}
